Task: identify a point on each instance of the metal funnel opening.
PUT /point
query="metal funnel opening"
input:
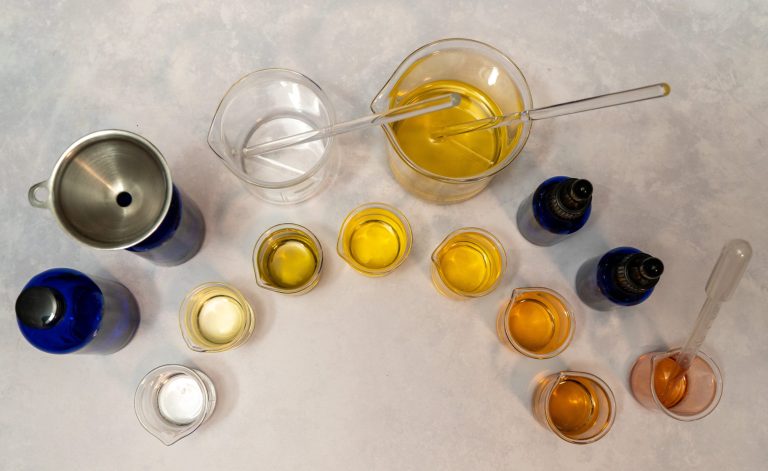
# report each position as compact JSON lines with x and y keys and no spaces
{"x":111,"y":189}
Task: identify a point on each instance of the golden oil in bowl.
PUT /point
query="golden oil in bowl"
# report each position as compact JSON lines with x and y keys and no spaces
{"x":375,"y":239}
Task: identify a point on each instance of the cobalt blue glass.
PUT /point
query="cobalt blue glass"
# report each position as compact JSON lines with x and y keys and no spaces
{"x":624,"y":276}
{"x":65,"y":311}
{"x":559,"y":207}
{"x":178,"y":237}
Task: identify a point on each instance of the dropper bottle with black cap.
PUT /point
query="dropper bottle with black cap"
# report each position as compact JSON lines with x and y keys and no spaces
{"x":624,"y":276}
{"x":65,"y":311}
{"x":559,"y":207}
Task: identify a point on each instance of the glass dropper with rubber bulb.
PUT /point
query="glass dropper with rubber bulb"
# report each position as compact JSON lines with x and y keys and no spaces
{"x":685,"y":383}
{"x":723,"y":280}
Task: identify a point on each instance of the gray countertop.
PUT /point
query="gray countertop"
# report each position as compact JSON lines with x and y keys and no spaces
{"x":385,"y":373}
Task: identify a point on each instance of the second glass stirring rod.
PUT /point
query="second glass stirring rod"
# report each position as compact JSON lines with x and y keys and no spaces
{"x":586,"y":104}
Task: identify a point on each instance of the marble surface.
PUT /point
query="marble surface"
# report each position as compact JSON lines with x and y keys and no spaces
{"x":385,"y":373}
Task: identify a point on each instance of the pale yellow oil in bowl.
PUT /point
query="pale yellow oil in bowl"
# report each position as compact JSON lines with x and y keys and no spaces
{"x":215,"y":317}
{"x":221,"y":319}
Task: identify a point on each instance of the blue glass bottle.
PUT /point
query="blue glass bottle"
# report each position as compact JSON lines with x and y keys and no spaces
{"x":559,"y":207}
{"x":624,"y":276}
{"x":64,"y":311}
{"x":179,"y":236}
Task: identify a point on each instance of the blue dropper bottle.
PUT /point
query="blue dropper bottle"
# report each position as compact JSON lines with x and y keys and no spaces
{"x":65,"y":311}
{"x":559,"y":207}
{"x":624,"y":276}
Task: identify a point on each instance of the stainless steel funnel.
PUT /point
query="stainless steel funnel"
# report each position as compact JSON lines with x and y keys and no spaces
{"x":109,"y":190}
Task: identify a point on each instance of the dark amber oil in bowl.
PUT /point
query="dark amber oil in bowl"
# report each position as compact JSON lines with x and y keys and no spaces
{"x":669,"y":391}
{"x":573,"y":407}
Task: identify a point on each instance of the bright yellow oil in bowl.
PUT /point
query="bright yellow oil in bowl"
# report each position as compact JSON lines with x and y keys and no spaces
{"x":375,"y":239}
{"x":468,"y":263}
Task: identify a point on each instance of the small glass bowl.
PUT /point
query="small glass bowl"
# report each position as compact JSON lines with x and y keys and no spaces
{"x":704,"y":386}
{"x":482,"y":241}
{"x":266,"y":248}
{"x":148,"y":408}
{"x":600,"y":395}
{"x":382,"y":212}
{"x":555,"y":306}
{"x":192,"y":307}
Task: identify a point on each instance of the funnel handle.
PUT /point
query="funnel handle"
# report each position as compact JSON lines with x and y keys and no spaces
{"x":32,"y":195}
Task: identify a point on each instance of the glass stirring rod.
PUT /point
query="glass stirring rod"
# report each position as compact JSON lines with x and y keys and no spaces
{"x":723,"y":281}
{"x":399,"y":113}
{"x":586,"y":104}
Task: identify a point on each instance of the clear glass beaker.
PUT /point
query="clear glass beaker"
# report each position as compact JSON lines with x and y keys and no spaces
{"x":468,"y":263}
{"x":694,"y":397}
{"x":374,"y":239}
{"x":266,"y":105}
{"x":172,"y":401}
{"x":489,"y":84}
{"x":288,"y":259}
{"x":215,"y":317}
{"x":577,"y":407}
{"x":537,"y":322}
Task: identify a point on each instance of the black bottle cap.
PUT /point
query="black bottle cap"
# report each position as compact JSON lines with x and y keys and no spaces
{"x":40,"y":307}
{"x":639,"y":272}
{"x":570,"y":198}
